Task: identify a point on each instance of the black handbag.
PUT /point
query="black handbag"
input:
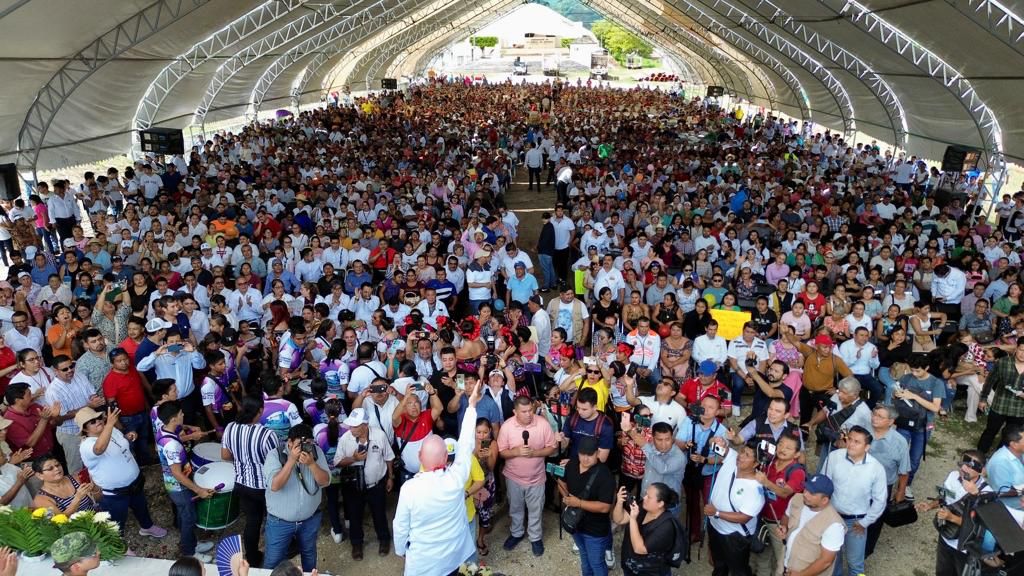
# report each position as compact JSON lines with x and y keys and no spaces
{"x":571,"y":515}
{"x":900,"y":514}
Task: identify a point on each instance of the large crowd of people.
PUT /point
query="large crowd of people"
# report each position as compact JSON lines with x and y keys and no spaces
{"x":732,"y":329}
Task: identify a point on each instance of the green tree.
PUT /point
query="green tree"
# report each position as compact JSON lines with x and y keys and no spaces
{"x":618,"y":41}
{"x":483,"y":42}
{"x":567,"y":41}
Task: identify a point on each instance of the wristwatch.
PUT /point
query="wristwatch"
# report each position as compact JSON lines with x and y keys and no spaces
{"x":717,"y":514}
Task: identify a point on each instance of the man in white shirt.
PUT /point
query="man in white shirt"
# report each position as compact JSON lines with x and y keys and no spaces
{"x":23,"y":336}
{"x":431,"y":307}
{"x":646,"y":345}
{"x":63,"y":210}
{"x":861,"y":357}
{"x":541,"y":322}
{"x":534,"y":163}
{"x":480,"y":280}
{"x":430,"y":528}
{"x":743,"y":350}
{"x":246,"y":302}
{"x":711,"y":346}
{"x":564,"y":229}
{"x":948,"y":288}
{"x":609,"y":276}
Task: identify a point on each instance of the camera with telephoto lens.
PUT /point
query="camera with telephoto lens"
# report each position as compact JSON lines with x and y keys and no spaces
{"x":490,"y":344}
{"x":695,"y":412}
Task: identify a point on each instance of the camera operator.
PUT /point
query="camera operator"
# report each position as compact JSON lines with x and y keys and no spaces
{"x":747,"y":354}
{"x":694,"y":438}
{"x":732,"y":510}
{"x":781,"y":474}
{"x":650,"y":538}
{"x":843,"y":411}
{"x":770,"y":385}
{"x":294,"y":478}
{"x":706,"y":384}
{"x":859,"y":496}
{"x":662,"y":404}
{"x":955,"y":493}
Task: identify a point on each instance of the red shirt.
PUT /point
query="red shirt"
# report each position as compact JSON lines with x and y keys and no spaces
{"x":423,"y":425}
{"x":776,"y":507}
{"x":130,"y":346}
{"x":127,"y":390}
{"x":815,"y":306}
{"x":6,"y":359}
{"x":693,"y":392}
{"x":21,"y":428}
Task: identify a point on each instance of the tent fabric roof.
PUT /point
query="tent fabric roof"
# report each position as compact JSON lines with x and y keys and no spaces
{"x":78,"y":97}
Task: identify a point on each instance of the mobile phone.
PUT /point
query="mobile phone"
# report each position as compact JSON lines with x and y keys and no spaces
{"x":485,"y":443}
{"x":555,"y":470}
{"x":362,"y":448}
{"x":460,"y":381}
{"x":175,"y":347}
{"x":628,"y":503}
{"x":417,"y":386}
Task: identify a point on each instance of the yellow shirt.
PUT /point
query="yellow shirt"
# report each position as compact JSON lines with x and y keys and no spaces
{"x":603,"y":392}
{"x":476,"y":474}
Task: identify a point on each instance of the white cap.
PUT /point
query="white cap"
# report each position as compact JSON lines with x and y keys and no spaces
{"x":157,"y":324}
{"x":356,"y":418}
{"x":205,"y":246}
{"x":69,"y":243}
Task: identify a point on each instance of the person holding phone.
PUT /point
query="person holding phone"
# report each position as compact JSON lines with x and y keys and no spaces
{"x":732,"y":509}
{"x":366,"y":461}
{"x":650,"y":533}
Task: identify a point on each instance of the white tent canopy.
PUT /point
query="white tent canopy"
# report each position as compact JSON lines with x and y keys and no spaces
{"x":80,"y":77}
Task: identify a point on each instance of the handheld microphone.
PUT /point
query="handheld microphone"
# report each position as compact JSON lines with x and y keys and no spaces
{"x":526,"y":437}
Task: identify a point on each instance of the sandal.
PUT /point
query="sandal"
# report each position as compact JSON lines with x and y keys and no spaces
{"x":482,"y":549}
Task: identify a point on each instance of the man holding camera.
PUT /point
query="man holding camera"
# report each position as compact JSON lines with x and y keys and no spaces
{"x":747,"y":354}
{"x":295,"y":477}
{"x":695,"y":438}
{"x":732,"y":509}
{"x":844,"y":410}
{"x":706,"y":384}
{"x":366,"y":460}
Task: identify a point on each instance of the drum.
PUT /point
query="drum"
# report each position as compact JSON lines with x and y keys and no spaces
{"x":305,"y":387}
{"x":220,"y":510}
{"x":205,"y":453}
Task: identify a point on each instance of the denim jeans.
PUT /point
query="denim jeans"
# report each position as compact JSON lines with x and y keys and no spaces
{"x":186,"y":521}
{"x":872,"y":386}
{"x":119,"y":504}
{"x":592,"y":553}
{"x":738,"y":384}
{"x":887,"y":380}
{"x":851,"y":559}
{"x":140,"y":424}
{"x":279,"y":534}
{"x":547,"y":265}
{"x":917,"y":439}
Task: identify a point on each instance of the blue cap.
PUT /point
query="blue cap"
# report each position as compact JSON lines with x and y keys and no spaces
{"x":708,"y":367}
{"x":819,"y":484}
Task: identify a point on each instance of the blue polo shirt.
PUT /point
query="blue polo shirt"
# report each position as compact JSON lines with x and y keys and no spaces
{"x":520,"y":289}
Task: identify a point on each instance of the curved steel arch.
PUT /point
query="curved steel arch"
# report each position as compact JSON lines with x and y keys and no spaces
{"x":200,"y":53}
{"x":853,"y":64}
{"x":744,"y":45}
{"x":998,"y":19}
{"x":78,"y":68}
{"x":794,"y":54}
{"x":316,"y":43}
{"x":295,"y":30}
{"x":938,"y":69}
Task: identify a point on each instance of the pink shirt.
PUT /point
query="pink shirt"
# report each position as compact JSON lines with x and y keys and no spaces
{"x":525,"y":471}
{"x":42,"y":215}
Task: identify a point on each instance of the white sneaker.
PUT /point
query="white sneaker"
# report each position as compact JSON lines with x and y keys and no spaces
{"x":204,"y":546}
{"x":337,"y":536}
{"x":204,"y":558}
{"x":575,"y":548}
{"x":908,"y":493}
{"x":609,"y":558}
{"x":736,"y":411}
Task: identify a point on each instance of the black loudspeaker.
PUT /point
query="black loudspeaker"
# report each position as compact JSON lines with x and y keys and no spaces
{"x":715,"y":91}
{"x":10,"y":189}
{"x":162,"y":141}
{"x":960,"y":159}
{"x":389,"y":84}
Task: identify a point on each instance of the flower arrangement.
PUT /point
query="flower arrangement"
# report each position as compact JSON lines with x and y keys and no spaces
{"x":32,"y":532}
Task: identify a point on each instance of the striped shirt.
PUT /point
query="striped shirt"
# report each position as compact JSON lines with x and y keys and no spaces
{"x":72,"y":396}
{"x":249,"y":445}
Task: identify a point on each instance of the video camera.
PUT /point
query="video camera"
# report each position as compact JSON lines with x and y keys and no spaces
{"x":764,"y":453}
{"x":695,"y":412}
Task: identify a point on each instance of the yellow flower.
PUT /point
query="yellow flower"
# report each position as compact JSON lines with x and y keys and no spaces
{"x":59,"y":519}
{"x":39,"y":513}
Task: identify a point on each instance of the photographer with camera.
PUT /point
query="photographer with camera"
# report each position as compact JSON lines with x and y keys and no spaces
{"x":295,"y":477}
{"x":736,"y":500}
{"x":860,"y":494}
{"x":649,"y":541}
{"x":781,"y":475}
{"x":843,"y":411}
{"x":771,"y":384}
{"x":366,"y":462}
{"x":747,"y":354}
{"x":662,"y":403}
{"x":664,"y":461}
{"x":706,"y":384}
{"x":953,"y":501}
{"x":694,"y":438}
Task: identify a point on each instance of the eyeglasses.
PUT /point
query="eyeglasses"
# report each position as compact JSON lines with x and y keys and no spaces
{"x":687,"y":269}
{"x":593,"y":371}
{"x":32,"y":359}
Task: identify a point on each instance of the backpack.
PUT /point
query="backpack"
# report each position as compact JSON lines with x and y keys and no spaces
{"x":910,"y":415}
{"x":680,"y":545}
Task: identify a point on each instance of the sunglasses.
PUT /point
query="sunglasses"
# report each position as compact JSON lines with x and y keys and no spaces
{"x":67,"y":368}
{"x":593,"y":371}
{"x":972,"y":464}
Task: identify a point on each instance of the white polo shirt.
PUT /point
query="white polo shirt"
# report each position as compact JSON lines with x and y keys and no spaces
{"x":672,"y":413}
{"x":379,"y":453}
{"x":116,"y":467}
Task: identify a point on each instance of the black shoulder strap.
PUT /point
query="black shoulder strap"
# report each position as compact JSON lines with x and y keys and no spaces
{"x":844,"y":414}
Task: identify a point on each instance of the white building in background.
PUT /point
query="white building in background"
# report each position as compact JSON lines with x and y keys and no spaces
{"x":534,"y":26}
{"x":581,"y":49}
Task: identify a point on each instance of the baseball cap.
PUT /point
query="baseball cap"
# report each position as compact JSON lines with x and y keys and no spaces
{"x":205,"y":246}
{"x":496,"y":371}
{"x":23,"y":274}
{"x":357,"y":417}
{"x":819,"y":484}
{"x":69,"y":243}
{"x":71,"y":548}
{"x":708,"y":367}
{"x":157,"y":324}
{"x":86,"y":414}
{"x":520,"y":265}
{"x":823,"y":340}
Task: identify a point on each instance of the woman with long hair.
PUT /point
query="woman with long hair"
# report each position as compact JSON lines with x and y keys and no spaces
{"x":673,"y":364}
{"x":327,"y":433}
{"x":696,"y":321}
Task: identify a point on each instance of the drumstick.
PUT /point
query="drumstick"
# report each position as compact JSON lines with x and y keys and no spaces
{"x":216,"y":488}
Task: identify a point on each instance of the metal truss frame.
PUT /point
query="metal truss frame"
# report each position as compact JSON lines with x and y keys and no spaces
{"x":938,"y":69}
{"x":627,"y":8}
{"x":116,"y":41}
{"x":201,"y":53}
{"x":295,"y":30}
{"x":998,"y":19}
{"x":850,"y":62}
{"x":727,"y":34}
{"x":344,"y":40}
{"x":317,"y":43}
